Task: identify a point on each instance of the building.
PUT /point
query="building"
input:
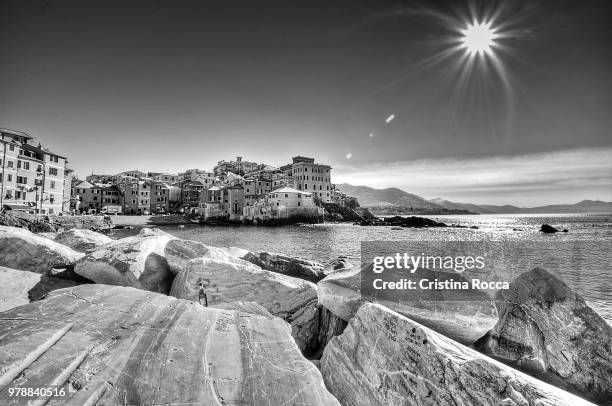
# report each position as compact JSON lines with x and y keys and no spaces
{"x":169,"y":178}
{"x":196,"y":175}
{"x":289,"y":197}
{"x":190,"y":193}
{"x":286,"y":204}
{"x":222,"y":203}
{"x":310,"y":177}
{"x":95,"y":178}
{"x":128,"y":176}
{"x":32,"y":178}
{"x":238,"y":166}
{"x":163,"y":196}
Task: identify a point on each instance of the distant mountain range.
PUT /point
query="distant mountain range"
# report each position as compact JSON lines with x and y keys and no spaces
{"x":394,"y":197}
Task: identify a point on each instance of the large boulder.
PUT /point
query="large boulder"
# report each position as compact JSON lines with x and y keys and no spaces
{"x":110,"y":345}
{"x":21,"y":287}
{"x":286,"y":265}
{"x":465,"y":319}
{"x":178,"y":253}
{"x":210,"y":282}
{"x":384,"y":358}
{"x":82,"y":240}
{"x":149,"y":260}
{"x":548,"y":330}
{"x":23,"y":250}
{"x":138,"y":261}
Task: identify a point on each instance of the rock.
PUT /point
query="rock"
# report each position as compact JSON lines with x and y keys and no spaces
{"x":82,"y":240}
{"x":23,"y":250}
{"x":384,"y":358}
{"x":245,"y":307}
{"x":330,"y":326}
{"x":14,"y":287}
{"x":49,"y":235}
{"x":565,"y":230}
{"x":22,"y":219}
{"x":547,"y":229}
{"x":549,"y":331}
{"x":178,"y":253}
{"x":340,"y":293}
{"x":465,"y":318}
{"x":283,"y":264}
{"x":291,"y":299}
{"x":20,"y":287}
{"x":338,"y":265}
{"x":138,"y":261}
{"x":112,"y":345}
{"x":399,"y":221}
{"x":95,"y":223}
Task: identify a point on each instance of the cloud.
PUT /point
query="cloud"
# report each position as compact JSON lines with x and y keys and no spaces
{"x":532,"y":178}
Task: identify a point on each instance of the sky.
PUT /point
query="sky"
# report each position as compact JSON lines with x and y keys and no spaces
{"x":171,"y":85}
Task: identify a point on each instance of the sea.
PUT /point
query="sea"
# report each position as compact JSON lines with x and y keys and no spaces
{"x":582,"y":257}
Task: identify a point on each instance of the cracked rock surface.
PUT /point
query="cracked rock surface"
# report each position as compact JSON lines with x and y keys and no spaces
{"x":464,"y":320}
{"x":82,"y":240}
{"x":548,"y":330}
{"x":292,"y":299}
{"x":111,"y":345}
{"x":384,"y":358}
{"x":24,"y":250}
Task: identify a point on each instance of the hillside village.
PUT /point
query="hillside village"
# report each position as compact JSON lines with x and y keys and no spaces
{"x":237,"y":190}
{"x":39,"y":181}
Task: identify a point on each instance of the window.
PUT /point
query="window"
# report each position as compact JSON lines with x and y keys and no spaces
{"x":53,"y":171}
{"x":12,"y":148}
{"x":18,"y":164}
{"x":9,"y":164}
{"x":22,"y":179}
{"x":26,"y":165}
{"x":52,"y":185}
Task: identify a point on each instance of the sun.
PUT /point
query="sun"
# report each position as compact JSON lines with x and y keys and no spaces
{"x":479,"y":38}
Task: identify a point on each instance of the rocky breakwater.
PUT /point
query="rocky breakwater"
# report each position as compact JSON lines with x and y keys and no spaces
{"x":51,"y":223}
{"x":399,"y":221}
{"x":464,"y":316}
{"x":212,"y":282}
{"x":384,"y":358}
{"x":99,"y":344}
{"x":159,"y":262}
{"x":23,"y":250}
{"x":549,"y":331}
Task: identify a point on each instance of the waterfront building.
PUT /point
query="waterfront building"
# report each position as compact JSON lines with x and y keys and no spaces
{"x":32,"y":178}
{"x":310,"y":177}
{"x":284,"y":204}
{"x":190,"y":193}
{"x":289,"y":197}
{"x":161,"y":201}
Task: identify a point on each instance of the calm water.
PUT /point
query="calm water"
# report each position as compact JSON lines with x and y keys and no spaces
{"x":582,"y":257}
